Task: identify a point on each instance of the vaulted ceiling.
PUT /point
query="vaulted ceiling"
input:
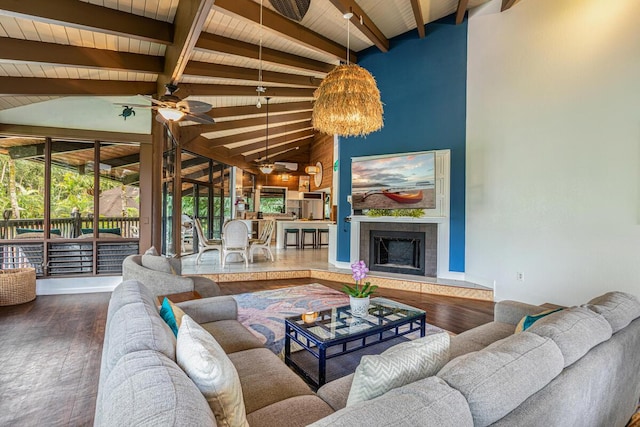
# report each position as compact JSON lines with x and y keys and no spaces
{"x":51,"y":49}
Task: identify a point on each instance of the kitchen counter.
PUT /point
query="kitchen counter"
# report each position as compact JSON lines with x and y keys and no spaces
{"x":299,"y":224}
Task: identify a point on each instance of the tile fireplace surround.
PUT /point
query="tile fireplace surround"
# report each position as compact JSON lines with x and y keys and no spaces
{"x":361,"y":225}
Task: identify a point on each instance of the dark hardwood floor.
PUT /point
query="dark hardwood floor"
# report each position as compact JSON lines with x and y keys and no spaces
{"x":50,"y":348}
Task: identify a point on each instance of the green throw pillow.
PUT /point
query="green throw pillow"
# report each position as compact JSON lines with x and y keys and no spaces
{"x":528,"y":321}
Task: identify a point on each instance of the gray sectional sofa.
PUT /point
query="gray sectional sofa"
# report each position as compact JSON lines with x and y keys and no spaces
{"x":163,"y":276}
{"x":141,"y":384}
{"x":577,"y":367}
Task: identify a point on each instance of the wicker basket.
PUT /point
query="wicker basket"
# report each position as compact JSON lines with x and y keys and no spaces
{"x":17,"y":286}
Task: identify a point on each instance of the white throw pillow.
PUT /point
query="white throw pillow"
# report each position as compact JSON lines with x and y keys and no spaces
{"x":400,"y":365}
{"x":206,"y":363}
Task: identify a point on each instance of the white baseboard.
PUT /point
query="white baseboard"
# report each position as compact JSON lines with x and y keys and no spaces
{"x":343,"y":264}
{"x":491,"y":284}
{"x":76,"y":285}
{"x":453,"y":275}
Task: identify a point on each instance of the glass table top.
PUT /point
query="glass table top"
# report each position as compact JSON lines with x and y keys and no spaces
{"x":336,"y":323}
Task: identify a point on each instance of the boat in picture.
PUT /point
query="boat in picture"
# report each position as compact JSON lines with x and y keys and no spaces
{"x":399,"y":196}
{"x":404,"y":196}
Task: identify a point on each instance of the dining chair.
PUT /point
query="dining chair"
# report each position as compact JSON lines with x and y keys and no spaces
{"x":235,"y":240}
{"x":264,"y":241}
{"x":205,"y":244}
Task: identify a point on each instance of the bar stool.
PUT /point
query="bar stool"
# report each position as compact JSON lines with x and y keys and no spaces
{"x":323,"y":231}
{"x":296,"y":233}
{"x":312,"y":232}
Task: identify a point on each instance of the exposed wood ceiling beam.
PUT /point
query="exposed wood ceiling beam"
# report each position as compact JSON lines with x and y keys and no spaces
{"x":417,"y":13}
{"x":201,"y":146}
{"x":188,"y":22}
{"x":260,"y":145}
{"x":363,"y":23}
{"x":189,"y":132}
{"x":216,"y":43}
{"x":188,"y":89}
{"x":506,"y":4}
{"x":280,"y":149}
{"x":191,"y":163}
{"x":69,"y":87}
{"x":86,"y":16}
{"x":72,"y":134}
{"x":206,"y":69}
{"x":250,"y":10}
{"x":462,"y":9}
{"x":53,"y":53}
{"x":223,"y":112}
{"x":247,"y":136}
{"x":118,"y":162}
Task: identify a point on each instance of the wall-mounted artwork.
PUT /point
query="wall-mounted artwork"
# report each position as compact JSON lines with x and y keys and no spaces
{"x":304,"y":183}
{"x":404,"y":181}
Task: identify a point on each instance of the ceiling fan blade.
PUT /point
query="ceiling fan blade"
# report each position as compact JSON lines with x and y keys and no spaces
{"x":194,"y":107}
{"x":198,"y":118}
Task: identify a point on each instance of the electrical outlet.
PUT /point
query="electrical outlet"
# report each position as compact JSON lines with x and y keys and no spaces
{"x":520,"y":276}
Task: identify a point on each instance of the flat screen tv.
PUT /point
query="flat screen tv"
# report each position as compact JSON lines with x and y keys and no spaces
{"x":398,"y":181}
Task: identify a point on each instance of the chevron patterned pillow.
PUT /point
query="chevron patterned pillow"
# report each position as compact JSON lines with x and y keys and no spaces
{"x":400,"y":365}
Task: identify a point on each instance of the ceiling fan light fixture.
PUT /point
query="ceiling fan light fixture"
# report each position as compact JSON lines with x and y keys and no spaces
{"x":171,"y":114}
{"x":285,"y":177}
{"x":266,"y":168}
{"x":311,"y":170}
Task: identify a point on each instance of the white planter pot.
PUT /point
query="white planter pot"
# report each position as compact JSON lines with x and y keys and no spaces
{"x":359,"y":306}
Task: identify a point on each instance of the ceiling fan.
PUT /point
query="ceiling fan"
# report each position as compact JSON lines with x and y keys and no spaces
{"x":172,"y":108}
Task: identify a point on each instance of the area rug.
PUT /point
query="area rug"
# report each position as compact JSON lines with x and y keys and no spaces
{"x":263,"y":312}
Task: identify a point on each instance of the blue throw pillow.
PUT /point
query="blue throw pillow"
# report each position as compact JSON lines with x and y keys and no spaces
{"x":166,"y":312}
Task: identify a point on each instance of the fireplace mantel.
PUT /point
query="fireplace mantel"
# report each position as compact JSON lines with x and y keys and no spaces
{"x":420,"y":220}
{"x":443,"y":238}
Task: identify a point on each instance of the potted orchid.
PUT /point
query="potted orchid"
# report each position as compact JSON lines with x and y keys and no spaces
{"x":360,"y":293}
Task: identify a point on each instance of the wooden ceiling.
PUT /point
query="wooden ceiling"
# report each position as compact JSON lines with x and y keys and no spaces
{"x":52,"y":49}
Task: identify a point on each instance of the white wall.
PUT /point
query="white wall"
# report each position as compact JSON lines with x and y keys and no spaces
{"x":553,"y":149}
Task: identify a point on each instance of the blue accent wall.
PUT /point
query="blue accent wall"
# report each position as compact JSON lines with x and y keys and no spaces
{"x":423,"y":87}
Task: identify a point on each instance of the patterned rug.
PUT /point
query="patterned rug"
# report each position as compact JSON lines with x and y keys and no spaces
{"x":263,"y":312}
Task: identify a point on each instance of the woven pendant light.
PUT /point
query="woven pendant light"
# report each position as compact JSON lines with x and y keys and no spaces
{"x":347,"y":102}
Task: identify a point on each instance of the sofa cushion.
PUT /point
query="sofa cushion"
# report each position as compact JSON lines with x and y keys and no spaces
{"x":499,"y":378}
{"x":147,"y":388}
{"x":157,"y":263}
{"x":478,"y":338}
{"x":232,"y":336}
{"x":298,"y":411}
{"x":336,"y":392}
{"x":619,"y":308}
{"x":575,"y":331}
{"x":128,"y":292}
{"x":399,"y":365}
{"x":428,"y":403}
{"x":202,"y":358}
{"x":136,"y":327}
{"x":527,"y":321}
{"x":265,"y":379}
{"x":171,"y":314}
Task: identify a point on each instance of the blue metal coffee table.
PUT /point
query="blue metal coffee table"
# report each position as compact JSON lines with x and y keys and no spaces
{"x":335,"y":332}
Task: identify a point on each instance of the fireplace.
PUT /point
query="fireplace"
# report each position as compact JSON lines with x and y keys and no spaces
{"x":403,"y":248}
{"x":397,"y":252}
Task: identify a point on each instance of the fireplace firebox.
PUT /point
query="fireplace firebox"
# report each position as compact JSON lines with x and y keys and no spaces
{"x":397,"y":252}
